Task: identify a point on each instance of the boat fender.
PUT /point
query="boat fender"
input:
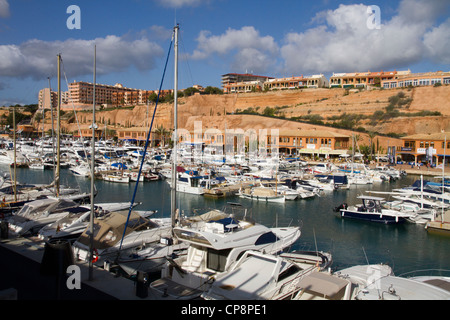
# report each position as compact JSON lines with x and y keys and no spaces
{"x":94,"y":255}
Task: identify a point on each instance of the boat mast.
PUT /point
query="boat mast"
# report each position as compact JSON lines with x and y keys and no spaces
{"x":15,"y":164}
{"x":58,"y":128}
{"x":91,"y":222}
{"x":173,"y":198}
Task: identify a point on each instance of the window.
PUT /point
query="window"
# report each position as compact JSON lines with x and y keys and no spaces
{"x":410,"y":144}
{"x":216,"y":259}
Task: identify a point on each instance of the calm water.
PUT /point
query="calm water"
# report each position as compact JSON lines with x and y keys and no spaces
{"x":406,"y":247}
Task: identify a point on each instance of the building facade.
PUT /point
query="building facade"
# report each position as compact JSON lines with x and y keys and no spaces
{"x":362,"y":79}
{"x":48,"y":99}
{"x":425,"y":148}
{"x":417,"y":79}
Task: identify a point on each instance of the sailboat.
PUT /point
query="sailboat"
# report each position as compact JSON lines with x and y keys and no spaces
{"x":149,"y":254}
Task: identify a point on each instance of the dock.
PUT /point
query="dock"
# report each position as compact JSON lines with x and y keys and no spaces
{"x":21,"y":278}
{"x":441,"y":225}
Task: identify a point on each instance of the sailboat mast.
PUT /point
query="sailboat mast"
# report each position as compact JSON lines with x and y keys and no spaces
{"x":91,"y":222}
{"x":173,"y":199}
{"x":58,"y":129}
{"x":15,"y":164}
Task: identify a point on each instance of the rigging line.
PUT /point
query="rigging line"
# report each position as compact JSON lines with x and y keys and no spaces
{"x":186,"y":60}
{"x":75,"y":113}
{"x":145,"y":150}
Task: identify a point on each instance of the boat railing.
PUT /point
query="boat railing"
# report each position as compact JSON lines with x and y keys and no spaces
{"x":426,"y":272}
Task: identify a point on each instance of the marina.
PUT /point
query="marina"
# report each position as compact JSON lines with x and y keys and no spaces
{"x":408,"y":248}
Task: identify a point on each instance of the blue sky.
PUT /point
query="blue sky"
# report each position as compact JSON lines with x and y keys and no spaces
{"x":274,"y":38}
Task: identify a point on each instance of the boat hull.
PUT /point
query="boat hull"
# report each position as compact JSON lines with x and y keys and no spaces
{"x":372,"y":217}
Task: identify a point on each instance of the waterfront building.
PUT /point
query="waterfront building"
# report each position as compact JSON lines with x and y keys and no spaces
{"x":425,"y":148}
{"x":138,"y":135}
{"x":289,"y":142}
{"x":313,"y":142}
{"x":403,"y":80}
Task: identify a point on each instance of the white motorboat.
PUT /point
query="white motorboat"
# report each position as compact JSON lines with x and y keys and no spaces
{"x":189,"y":182}
{"x":420,"y":215}
{"x":7,"y":157}
{"x":36,"y":214}
{"x":119,"y":178}
{"x":217,"y":239}
{"x":36,"y":165}
{"x":262,"y":194}
{"x":72,"y":225}
{"x":372,"y":210}
{"x":259,"y":276}
{"x":110,"y":234}
{"x":378,"y":282}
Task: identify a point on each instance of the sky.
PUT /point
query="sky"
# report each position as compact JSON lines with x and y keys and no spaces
{"x":280,"y":38}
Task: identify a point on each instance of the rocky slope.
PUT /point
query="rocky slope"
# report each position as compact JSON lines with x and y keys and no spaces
{"x":219,"y":111}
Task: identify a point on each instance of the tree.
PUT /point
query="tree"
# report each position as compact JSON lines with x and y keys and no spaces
{"x":163,"y":133}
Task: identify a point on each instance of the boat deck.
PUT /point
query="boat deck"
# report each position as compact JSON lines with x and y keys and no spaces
{"x":20,"y":274}
{"x":171,"y":288}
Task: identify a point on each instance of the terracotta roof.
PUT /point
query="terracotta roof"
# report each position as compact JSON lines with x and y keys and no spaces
{"x":312,"y":133}
{"x":428,"y":136}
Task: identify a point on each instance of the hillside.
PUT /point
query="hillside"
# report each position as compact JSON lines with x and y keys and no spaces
{"x":325,"y":104}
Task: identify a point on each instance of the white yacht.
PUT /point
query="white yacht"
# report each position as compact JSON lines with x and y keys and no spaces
{"x":217,"y":239}
{"x":72,"y":225}
{"x":109,"y":235}
{"x":260,"y":276}
{"x":378,"y":282}
{"x":36,"y":214}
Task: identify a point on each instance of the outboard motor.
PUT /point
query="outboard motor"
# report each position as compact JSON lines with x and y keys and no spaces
{"x":342,"y":206}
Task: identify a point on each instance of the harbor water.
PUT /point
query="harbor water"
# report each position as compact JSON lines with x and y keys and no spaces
{"x":406,"y":247}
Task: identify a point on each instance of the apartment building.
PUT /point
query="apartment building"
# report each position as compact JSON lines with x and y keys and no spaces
{"x":250,"y":83}
{"x":81,"y":93}
{"x":235,"y":82}
{"x":48,"y":99}
{"x":416,"y":79}
{"x":362,"y":79}
{"x":314,"y":81}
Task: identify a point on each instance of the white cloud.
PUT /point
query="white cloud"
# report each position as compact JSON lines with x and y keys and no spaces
{"x":345,"y":43}
{"x":249,"y":50}
{"x":4,"y":9}
{"x":37,"y":58}
{"x":437,"y":43}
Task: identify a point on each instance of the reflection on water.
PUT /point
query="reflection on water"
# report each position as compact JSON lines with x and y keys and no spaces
{"x":404,"y":247}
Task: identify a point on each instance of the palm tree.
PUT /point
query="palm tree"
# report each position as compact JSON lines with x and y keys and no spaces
{"x":371,"y":135}
{"x":162,"y":132}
